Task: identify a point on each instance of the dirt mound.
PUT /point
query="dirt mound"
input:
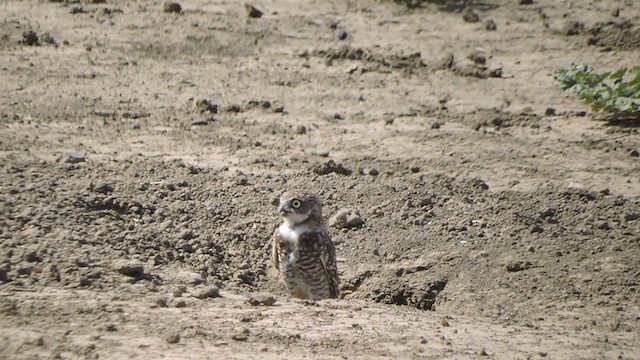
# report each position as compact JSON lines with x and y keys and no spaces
{"x":622,"y":35}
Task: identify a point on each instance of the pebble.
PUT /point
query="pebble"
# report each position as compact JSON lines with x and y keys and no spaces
{"x":75,"y":158}
{"x":341,"y":34}
{"x":320,"y":152}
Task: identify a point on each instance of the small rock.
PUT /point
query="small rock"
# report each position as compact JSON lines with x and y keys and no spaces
{"x":173,"y":338}
{"x":490,"y":25}
{"x":483,"y":352}
{"x":204,"y":106}
{"x":30,"y":38}
{"x":373,"y":172}
{"x":103,"y":188}
{"x":536,"y":229}
{"x":632,"y":216}
{"x":111,"y":328}
{"x":172,"y":7}
{"x":132,"y":268}
{"x":320,"y":152}
{"x":24,"y":269}
{"x":478,"y":57}
{"x":615,"y":12}
{"x":444,"y":63}
{"x":252,"y":12}
{"x":604,"y":226}
{"x":179,"y":291}
{"x":518,"y":266}
{"x":301,"y":130}
{"x":469,"y":15}
{"x":635,"y":153}
{"x":550,"y":111}
{"x":199,"y":121}
{"x":32,"y":256}
{"x":77,"y":10}
{"x":48,"y":39}
{"x":75,"y":158}
{"x":206,"y":292}
{"x":180,"y":304}
{"x":341,"y":34}
{"x":526,"y":2}
{"x":161,"y":302}
{"x":346,"y":219}
{"x":235,"y":108}
{"x":262,"y":300}
{"x":444,"y":323}
{"x":187,"y":235}
{"x":189,"y":277}
{"x":84,"y":281}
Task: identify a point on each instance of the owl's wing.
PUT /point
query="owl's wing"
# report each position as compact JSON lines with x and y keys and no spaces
{"x":326,"y":252}
{"x":274,"y":249}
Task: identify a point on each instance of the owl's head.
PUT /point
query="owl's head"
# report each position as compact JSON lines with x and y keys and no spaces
{"x":297,"y":208}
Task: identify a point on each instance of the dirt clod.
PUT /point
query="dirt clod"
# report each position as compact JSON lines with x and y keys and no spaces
{"x":75,"y":158}
{"x":30,"y":38}
{"x":346,"y":219}
{"x":490,"y":25}
{"x":252,"y":12}
{"x":262,"y":300}
{"x":332,"y":167}
{"x":131,"y":268}
{"x":172,"y":7}
{"x":470,"y":16}
{"x":172,"y":338}
{"x":206,"y":292}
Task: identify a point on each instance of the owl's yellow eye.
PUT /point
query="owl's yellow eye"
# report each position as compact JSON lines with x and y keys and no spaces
{"x":295,"y":203}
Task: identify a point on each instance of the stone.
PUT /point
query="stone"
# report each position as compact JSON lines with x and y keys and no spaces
{"x":132,"y":268}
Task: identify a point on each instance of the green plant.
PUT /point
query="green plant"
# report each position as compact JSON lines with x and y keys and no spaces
{"x":616,"y":92}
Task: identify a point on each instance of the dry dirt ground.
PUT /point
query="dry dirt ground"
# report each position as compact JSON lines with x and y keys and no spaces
{"x":141,"y":151}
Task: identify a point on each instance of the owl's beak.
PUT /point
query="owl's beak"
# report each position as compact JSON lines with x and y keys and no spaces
{"x":283,"y":211}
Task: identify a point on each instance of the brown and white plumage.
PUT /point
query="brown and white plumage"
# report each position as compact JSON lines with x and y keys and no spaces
{"x":302,"y":249}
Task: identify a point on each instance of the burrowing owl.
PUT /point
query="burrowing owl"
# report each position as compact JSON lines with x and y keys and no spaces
{"x":302,"y":249}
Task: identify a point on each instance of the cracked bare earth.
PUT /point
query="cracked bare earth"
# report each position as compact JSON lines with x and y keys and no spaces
{"x":143,"y":144}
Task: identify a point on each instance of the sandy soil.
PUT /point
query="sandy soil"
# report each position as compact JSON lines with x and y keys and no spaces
{"x":141,"y":151}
